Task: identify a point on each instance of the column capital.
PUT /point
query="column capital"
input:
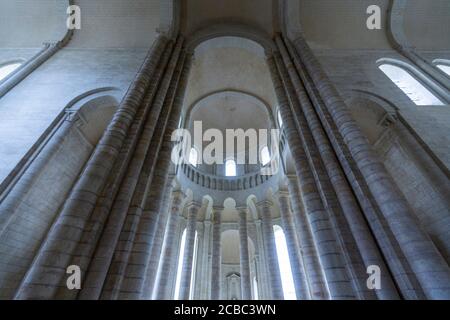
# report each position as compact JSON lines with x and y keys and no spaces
{"x":264,"y":203}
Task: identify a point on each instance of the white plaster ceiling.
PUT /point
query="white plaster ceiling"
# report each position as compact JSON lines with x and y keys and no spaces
{"x":229,"y":65}
{"x":197,"y":14}
{"x":342,"y":24}
{"x":30,"y":23}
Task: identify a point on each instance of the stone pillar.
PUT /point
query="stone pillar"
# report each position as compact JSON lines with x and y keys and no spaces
{"x":216,"y":256}
{"x":204,"y":290}
{"x":263,"y":277}
{"x":313,"y":270}
{"x":155,"y":255}
{"x":399,"y":267}
{"x":246,"y":283}
{"x":330,"y":255}
{"x":167,"y":267}
{"x":295,"y":258}
{"x":188,"y":259}
{"x":360,"y":237}
{"x":81,"y":202}
{"x":127,"y":209}
{"x":430,"y":268}
{"x":271,"y":256}
{"x":139,"y":262}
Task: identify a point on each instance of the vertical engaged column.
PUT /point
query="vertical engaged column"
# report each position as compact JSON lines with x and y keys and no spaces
{"x":274,"y":275}
{"x":246,"y":287}
{"x":429,"y":266}
{"x":262,"y":273}
{"x":361,"y":236}
{"x":153,"y":203}
{"x":167,"y":267}
{"x":295,"y":258}
{"x":313,"y":270}
{"x":405,"y":279}
{"x":155,"y":255}
{"x":81,"y":202}
{"x":344,"y":238}
{"x":330,"y":253}
{"x":188,"y":259}
{"x":216,"y":256}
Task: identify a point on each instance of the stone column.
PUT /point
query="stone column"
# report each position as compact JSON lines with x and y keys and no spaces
{"x":263,"y":277}
{"x":361,"y":237}
{"x":344,"y":238}
{"x":188,"y":259}
{"x":330,"y":255}
{"x":155,"y":255}
{"x":398,"y":265}
{"x":246,"y":283}
{"x":313,"y":270}
{"x":428,"y":265}
{"x":81,"y":202}
{"x":141,"y":252}
{"x":127,"y":209}
{"x":295,"y":258}
{"x":271,"y":256}
{"x":167,"y":267}
{"x":204,"y":290}
{"x":216,"y":256}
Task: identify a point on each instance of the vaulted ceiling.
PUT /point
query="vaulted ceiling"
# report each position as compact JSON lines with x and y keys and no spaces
{"x":134,"y":23}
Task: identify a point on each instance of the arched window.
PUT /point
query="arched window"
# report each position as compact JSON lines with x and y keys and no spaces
{"x":230,"y":168}
{"x":280,"y":120}
{"x":409,"y":85}
{"x":194,"y":266}
{"x":444,"y":65}
{"x":180,"y":266}
{"x":5,"y":70}
{"x":287,"y":280}
{"x":265,"y":155}
{"x":193,"y":157}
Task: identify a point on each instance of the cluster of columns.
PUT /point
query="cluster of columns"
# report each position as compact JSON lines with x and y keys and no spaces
{"x":355,"y":214}
{"x":345,"y":213}
{"x":108,"y":223}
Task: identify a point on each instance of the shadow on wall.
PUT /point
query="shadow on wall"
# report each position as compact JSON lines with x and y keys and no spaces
{"x":39,"y":189}
{"x":414,"y":171}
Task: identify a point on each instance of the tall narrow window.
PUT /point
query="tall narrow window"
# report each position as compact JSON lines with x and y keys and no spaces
{"x":287,"y":280}
{"x":7,"y":69}
{"x":410,"y":86}
{"x":265,"y":156}
{"x":255,"y":289}
{"x":194,"y":266}
{"x":230,"y":168}
{"x":444,"y":68}
{"x":280,"y":120}
{"x":180,"y":266}
{"x":193,"y":157}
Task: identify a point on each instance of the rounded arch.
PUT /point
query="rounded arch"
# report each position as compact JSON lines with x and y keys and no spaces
{"x":251,"y":204}
{"x":10,"y":67}
{"x":443,"y":65}
{"x":229,"y":203}
{"x":220,"y":29}
{"x":226,"y":92}
{"x":209,"y":202}
{"x":435,"y":89}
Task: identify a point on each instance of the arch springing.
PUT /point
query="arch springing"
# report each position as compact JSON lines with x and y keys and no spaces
{"x":7,"y":69}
